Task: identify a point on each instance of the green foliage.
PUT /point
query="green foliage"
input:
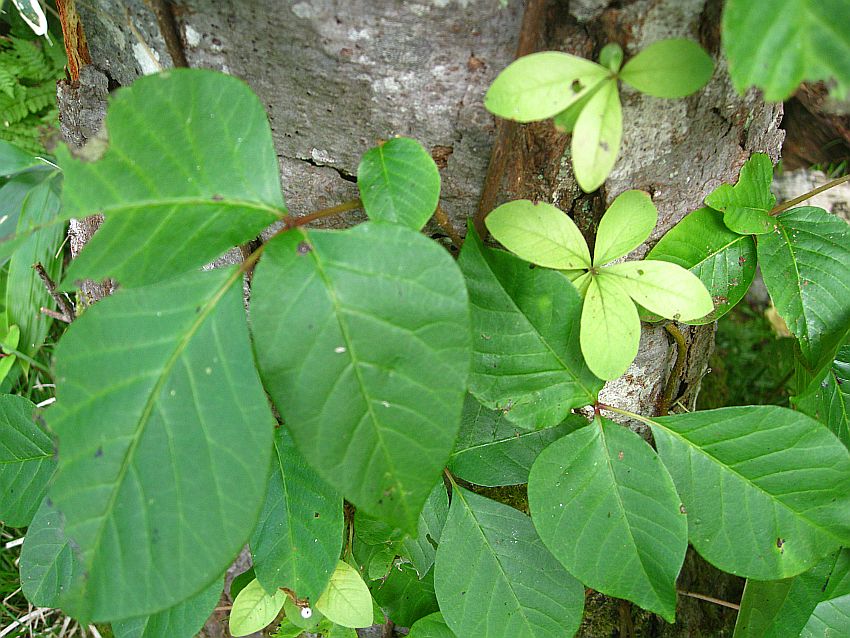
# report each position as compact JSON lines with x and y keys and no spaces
{"x":347,"y":600}
{"x":669,"y":68}
{"x":184,"y":619}
{"x":826,"y":397}
{"x":253,"y":609}
{"x":777,"y":45}
{"x":746,"y":206}
{"x":431,"y":626}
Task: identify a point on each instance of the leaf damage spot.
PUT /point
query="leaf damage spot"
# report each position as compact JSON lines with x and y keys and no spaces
{"x":303,"y":248}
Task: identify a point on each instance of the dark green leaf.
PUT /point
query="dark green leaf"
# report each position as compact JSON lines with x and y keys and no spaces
{"x":527,"y":359}
{"x":780,"y":487}
{"x":189,"y":171}
{"x":746,"y":206}
{"x":241,"y":581}
{"x":399,"y":183}
{"x":777,"y":46}
{"x":830,"y":618}
{"x":724,"y":261}
{"x":605,"y":506}
{"x":827,"y":398}
{"x":669,"y":68}
{"x":495,"y":579}
{"x":806,"y":267}
{"x":492,"y":451}
{"x":431,"y":626}
{"x":165,"y":441}
{"x":404,"y":597}
{"x":422,"y":549}
{"x":12,"y":197}
{"x":26,"y":461}
{"x":298,"y":538}
{"x":184,"y":620}
{"x":14,"y":160}
{"x":367,"y":358}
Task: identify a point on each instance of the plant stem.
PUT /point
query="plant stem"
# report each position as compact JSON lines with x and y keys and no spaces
{"x":65,"y":307}
{"x":29,"y":360}
{"x":678,"y":367}
{"x":631,"y":415}
{"x":710,"y":599}
{"x":446,"y":224}
{"x":294,"y":222}
{"x":793,"y":202}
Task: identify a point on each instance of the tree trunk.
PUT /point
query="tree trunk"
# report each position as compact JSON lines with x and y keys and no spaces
{"x":338,"y":76}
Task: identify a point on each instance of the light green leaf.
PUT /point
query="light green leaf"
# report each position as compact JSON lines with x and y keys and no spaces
{"x":254,"y":609}
{"x":746,"y":206}
{"x":527,"y":359}
{"x":399,"y":183}
{"x":669,"y":68}
{"x":539,"y":233}
{"x":26,"y":461}
{"x":777,"y":46}
{"x":781,"y":487}
{"x":565,"y":121}
{"x":165,"y":442}
{"x":607,"y":509}
{"x":10,"y":342}
{"x":806,"y":268}
{"x":582,"y":283}
{"x":189,"y":171}
{"x":367,"y":360}
{"x":625,"y":225}
{"x":513,"y":588}
{"x":184,"y":620}
{"x":611,"y":56}
{"x":404,"y":596}
{"x":307,"y":620}
{"x":610,"y":328}
{"x":347,"y":600}
{"x":541,"y":85}
{"x":431,"y":626}
{"x":596,"y":137}
{"x":26,"y":293}
{"x":49,"y":565}
{"x":661,"y":287}
{"x":491,"y":451}
{"x":827,"y":398}
{"x":298,"y":538}
{"x":724,"y":261}
{"x":286,"y":629}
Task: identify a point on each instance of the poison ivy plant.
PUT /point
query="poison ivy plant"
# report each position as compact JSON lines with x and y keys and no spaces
{"x":610,"y":326}
{"x":584,"y":99}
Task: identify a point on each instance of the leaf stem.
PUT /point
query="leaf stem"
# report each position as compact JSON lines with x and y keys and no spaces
{"x":710,"y":599}
{"x":797,"y":200}
{"x":29,"y":360}
{"x":446,"y":224}
{"x":62,"y":302}
{"x":631,"y":415}
{"x":678,"y":367}
{"x":294,"y":222}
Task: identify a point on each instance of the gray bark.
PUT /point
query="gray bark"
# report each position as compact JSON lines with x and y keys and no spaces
{"x":336,"y":77}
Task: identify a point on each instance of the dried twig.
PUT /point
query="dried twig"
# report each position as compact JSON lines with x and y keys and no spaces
{"x":62,"y":301}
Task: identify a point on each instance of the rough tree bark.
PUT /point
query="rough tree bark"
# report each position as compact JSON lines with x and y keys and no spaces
{"x":337,"y":76}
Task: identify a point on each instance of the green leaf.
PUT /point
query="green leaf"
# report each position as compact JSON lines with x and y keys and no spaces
{"x":669,"y":68}
{"x":190,"y":170}
{"x":495,"y":579}
{"x":747,"y":205}
{"x":338,"y":631}
{"x":781,"y":487}
{"x":165,"y":442}
{"x":26,"y":461}
{"x":253,"y":609}
{"x":404,"y":596}
{"x":830,"y":618}
{"x":625,"y":225}
{"x":492,"y":451}
{"x":286,"y":629}
{"x":14,"y":160}
{"x":367,"y":360}
{"x":611,"y":56}
{"x":13,"y":194}
{"x":827,"y":398}
{"x":806,"y":268}
{"x":347,"y":600}
{"x":26,"y":293}
{"x":9,"y":343}
{"x":596,"y":137}
{"x":431,"y":626}
{"x":780,"y":608}
{"x":526,"y":356}
{"x":610,"y":328}
{"x":423,"y":549}
{"x":661,"y":287}
{"x":307,"y":620}
{"x":605,"y":506}
{"x":724,"y":261}
{"x":240,"y":581}
{"x":399,"y":183}
{"x":539,"y":233}
{"x":184,"y":620}
{"x":565,"y":121}
{"x":800,"y":40}
{"x":298,"y":538}
{"x":49,"y":565}
{"x":541,"y":85}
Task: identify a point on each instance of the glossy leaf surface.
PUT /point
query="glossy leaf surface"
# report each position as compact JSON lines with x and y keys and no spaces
{"x":806,"y":268}
{"x":26,"y":461}
{"x":165,"y":442}
{"x":362,"y":338}
{"x":596,"y":137}
{"x":746,"y":206}
{"x":189,"y":171}
{"x":399,"y":183}
{"x":782,"y":487}
{"x":723,"y":260}
{"x":607,"y":509}
{"x":298,"y":538}
{"x":513,"y":588}
{"x":527,"y":359}
{"x":669,"y":68}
